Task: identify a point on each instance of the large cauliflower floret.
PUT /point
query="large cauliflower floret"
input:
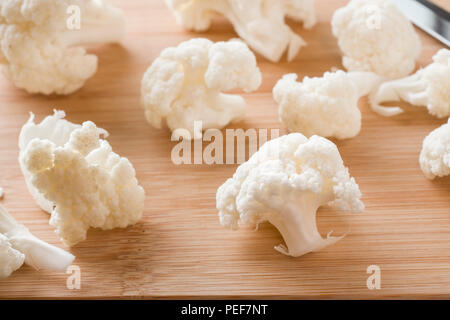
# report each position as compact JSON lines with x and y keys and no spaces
{"x":86,"y":182}
{"x":375,"y":36}
{"x":326,"y":106}
{"x":18,"y":245}
{"x":10,"y":259}
{"x":41,"y":54}
{"x":285,"y":183}
{"x":428,"y":87}
{"x":435,"y":155}
{"x":261,"y":23}
{"x":185,"y":83}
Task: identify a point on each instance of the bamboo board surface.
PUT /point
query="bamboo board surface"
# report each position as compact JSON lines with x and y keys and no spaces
{"x":179,"y":248}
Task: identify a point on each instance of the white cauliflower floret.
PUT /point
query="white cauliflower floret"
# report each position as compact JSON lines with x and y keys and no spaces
{"x":428,"y":87}
{"x":18,"y":245}
{"x":10,"y":259}
{"x":435,"y":155}
{"x":87,"y":184}
{"x":375,"y":36}
{"x":261,"y":23}
{"x":326,"y":106}
{"x":38,"y":51}
{"x":185,"y":83}
{"x":285,"y":183}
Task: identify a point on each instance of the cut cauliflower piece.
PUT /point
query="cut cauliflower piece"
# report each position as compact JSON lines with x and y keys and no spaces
{"x":435,"y":155}
{"x":18,"y":245}
{"x":85,"y":182}
{"x":41,"y":54}
{"x":185,"y":83}
{"x":260,"y":23}
{"x":10,"y":259}
{"x":375,"y":36}
{"x":326,"y":106}
{"x":285,"y":183}
{"x":428,"y":87}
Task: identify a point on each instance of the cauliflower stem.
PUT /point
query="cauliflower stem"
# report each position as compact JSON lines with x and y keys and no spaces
{"x":298,"y":225}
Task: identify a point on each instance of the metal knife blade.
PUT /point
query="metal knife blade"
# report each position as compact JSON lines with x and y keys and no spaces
{"x":428,"y":17}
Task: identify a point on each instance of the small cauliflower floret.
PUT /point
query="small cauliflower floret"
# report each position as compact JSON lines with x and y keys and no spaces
{"x":84,"y":181}
{"x":435,"y":155}
{"x":185,"y":83}
{"x":18,"y":245}
{"x":428,"y":87}
{"x":326,"y":106}
{"x":285,"y":183}
{"x":375,"y":36}
{"x":41,"y":52}
{"x":261,"y":23}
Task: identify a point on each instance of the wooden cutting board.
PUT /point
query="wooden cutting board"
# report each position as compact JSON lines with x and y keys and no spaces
{"x":179,"y":249}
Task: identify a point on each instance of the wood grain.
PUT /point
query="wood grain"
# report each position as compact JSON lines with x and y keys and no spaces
{"x":179,"y":249}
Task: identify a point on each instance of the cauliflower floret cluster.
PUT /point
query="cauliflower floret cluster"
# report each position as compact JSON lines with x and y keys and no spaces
{"x":41,"y":54}
{"x":87,"y":184}
{"x":326,"y":106}
{"x":375,"y":36}
{"x":435,"y":155}
{"x":428,"y":87}
{"x":18,"y":245}
{"x":185,"y":83}
{"x":285,"y":183}
{"x":261,"y":23}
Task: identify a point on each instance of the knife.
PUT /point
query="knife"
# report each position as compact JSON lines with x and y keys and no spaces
{"x":427,"y":16}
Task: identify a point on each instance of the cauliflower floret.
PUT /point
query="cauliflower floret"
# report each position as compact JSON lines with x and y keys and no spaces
{"x":10,"y":259}
{"x":326,"y":106}
{"x":285,"y":183}
{"x":435,"y":155}
{"x":18,"y":245}
{"x":375,"y":36}
{"x":261,"y":23}
{"x":87,"y":184}
{"x":185,"y":83}
{"x":428,"y":87}
{"x":38,"y":51}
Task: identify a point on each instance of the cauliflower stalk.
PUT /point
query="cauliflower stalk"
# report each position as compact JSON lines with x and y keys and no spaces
{"x":185,"y":83}
{"x":41,"y":54}
{"x":428,"y":87}
{"x":375,"y":36}
{"x":261,"y":23}
{"x":435,"y":155}
{"x":326,"y":106}
{"x":83,"y":181}
{"x":18,"y":245}
{"x":285,"y":183}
